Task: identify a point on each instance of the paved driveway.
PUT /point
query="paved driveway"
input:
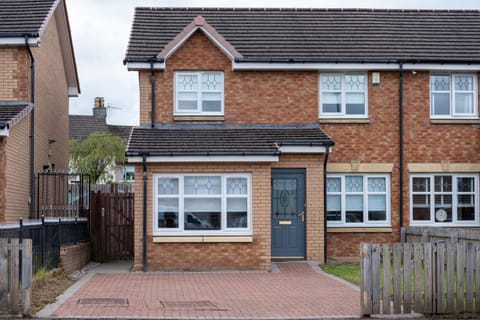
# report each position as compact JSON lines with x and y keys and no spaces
{"x":292,"y":290}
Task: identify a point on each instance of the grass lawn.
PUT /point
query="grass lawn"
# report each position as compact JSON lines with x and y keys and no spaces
{"x":348,"y":272}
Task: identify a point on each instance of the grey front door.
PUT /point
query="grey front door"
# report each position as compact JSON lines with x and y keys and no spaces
{"x":288,"y":214}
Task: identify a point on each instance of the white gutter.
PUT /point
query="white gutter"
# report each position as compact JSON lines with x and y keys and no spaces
{"x":20,"y":41}
{"x":4,"y":132}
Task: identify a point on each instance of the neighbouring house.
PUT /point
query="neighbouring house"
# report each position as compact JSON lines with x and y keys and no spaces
{"x":81,"y":126}
{"x":37,"y":76}
{"x":239,"y":109}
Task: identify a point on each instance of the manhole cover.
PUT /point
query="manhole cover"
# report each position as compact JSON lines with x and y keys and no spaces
{"x":197,"y":305}
{"x":107,"y":301}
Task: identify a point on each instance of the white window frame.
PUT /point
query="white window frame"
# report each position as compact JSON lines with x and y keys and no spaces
{"x":342,"y":223}
{"x":199,"y":92}
{"x":455,"y":222}
{"x":451,"y":92}
{"x":224,"y":230}
{"x":342,"y":114}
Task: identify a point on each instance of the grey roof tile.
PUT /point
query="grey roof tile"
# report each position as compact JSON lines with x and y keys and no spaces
{"x":9,"y":110}
{"x":24,"y":16}
{"x":319,"y":33}
{"x":222,"y":139}
{"x":80,"y":127}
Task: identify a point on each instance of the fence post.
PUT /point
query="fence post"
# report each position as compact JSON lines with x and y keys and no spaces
{"x":43,"y":242}
{"x":75,"y":231}
{"x":27,"y":278}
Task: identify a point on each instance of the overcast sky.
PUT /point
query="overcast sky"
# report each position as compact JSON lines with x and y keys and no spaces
{"x":101,"y":28}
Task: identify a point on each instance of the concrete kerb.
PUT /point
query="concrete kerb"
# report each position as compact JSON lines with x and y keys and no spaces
{"x":316,"y":267}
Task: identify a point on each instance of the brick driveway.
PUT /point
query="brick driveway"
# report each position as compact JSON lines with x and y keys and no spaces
{"x":295,"y":290}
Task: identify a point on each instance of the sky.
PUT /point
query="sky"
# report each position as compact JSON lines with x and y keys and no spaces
{"x":101,"y":29}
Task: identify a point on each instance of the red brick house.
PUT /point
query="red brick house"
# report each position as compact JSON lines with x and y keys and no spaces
{"x":239,"y":109}
{"x":37,"y":76}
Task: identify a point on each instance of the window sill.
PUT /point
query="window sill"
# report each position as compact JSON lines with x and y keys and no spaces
{"x":455,"y":121}
{"x":202,"y":239}
{"x":344,"y":120}
{"x":198,"y":118}
{"x":359,"y":229}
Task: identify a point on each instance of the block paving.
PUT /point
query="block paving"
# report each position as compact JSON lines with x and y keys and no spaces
{"x":293,"y":290}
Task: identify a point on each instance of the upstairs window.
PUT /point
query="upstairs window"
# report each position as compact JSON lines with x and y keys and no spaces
{"x":199,"y":93}
{"x":453,"y":95}
{"x":343,"y":95}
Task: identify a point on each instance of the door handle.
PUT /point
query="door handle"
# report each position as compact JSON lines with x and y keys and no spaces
{"x":302,"y":214}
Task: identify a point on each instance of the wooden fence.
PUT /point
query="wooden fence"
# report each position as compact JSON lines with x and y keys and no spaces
{"x":15,"y":277}
{"x":112,"y":226}
{"x":427,"y":234}
{"x":427,"y":278}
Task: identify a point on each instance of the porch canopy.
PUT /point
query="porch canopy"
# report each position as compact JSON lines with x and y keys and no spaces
{"x":225,"y":143}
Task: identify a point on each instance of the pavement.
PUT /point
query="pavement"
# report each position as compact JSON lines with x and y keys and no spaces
{"x":293,"y":290}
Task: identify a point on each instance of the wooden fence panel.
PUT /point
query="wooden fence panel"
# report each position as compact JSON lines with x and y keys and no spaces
{"x":427,"y":278}
{"x":460,"y":306}
{"x":419,"y":279}
{"x":397,"y":278}
{"x":387,"y":279}
{"x":469,"y":268}
{"x":407,"y":277}
{"x":451,"y":270}
{"x":13,"y":301}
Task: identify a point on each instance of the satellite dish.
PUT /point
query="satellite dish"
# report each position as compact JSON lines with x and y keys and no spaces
{"x":441,"y":215}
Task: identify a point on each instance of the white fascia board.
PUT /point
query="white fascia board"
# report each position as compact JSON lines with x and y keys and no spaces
{"x":204,"y":159}
{"x":19,"y":41}
{"x":4,"y":132}
{"x":135,"y":66}
{"x":73,"y":92}
{"x":353,"y":66}
{"x":302,"y":149}
{"x":442,"y":67}
{"x":314,"y":66}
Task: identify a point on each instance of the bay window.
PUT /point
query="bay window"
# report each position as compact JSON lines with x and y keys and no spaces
{"x":202,"y":204}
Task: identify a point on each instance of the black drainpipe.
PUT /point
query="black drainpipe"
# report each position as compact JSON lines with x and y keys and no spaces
{"x":325,"y":161}
{"x":400,"y":115}
{"x":144,"y":160}
{"x":152,"y":72}
{"x":32,"y":131}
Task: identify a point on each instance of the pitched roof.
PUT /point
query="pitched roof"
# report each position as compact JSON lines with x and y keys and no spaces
{"x":80,"y":127}
{"x":19,"y":17}
{"x":11,"y":112}
{"x":178,"y":140}
{"x":324,"y":34}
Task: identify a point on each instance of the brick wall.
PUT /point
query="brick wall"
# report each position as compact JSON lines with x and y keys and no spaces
{"x":250,"y":97}
{"x":14,"y":74}
{"x":74,"y":257}
{"x":17,"y":174}
{"x":51,"y":101}
{"x":221,"y":256}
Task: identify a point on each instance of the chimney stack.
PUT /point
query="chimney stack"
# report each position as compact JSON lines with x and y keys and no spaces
{"x":99,"y":111}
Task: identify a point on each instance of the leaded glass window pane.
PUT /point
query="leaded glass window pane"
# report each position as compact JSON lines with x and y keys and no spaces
{"x":187,"y":82}
{"x":237,"y":186}
{"x":354,"y":82}
{"x":463,"y":83}
{"x":203,"y":185}
{"x":421,"y":184}
{"x":167,"y":186}
{"x":377,"y":185}
{"x":331,"y":82}
{"x":440,"y":82}
{"x":443,"y":184}
{"x":212,"y":81}
{"x":465,"y":184}
{"x":354,"y":183}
